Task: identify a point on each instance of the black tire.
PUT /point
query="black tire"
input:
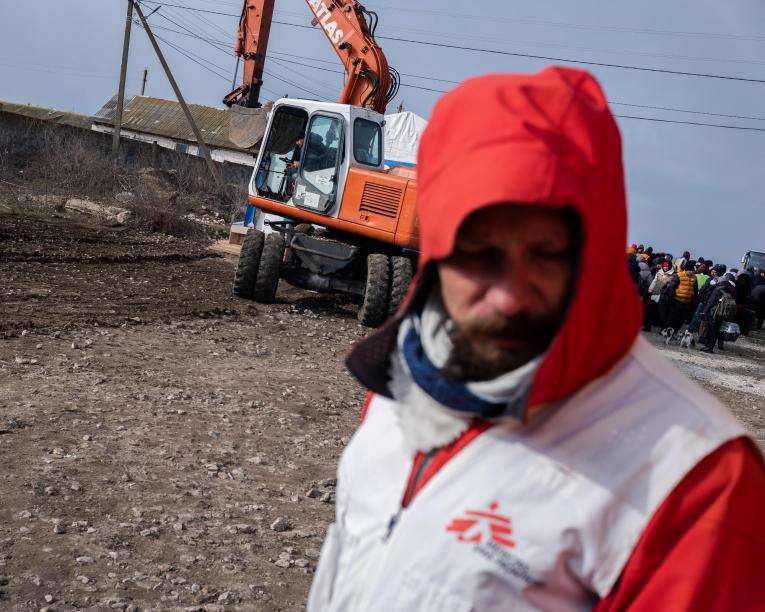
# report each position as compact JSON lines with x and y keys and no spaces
{"x":401,"y":272}
{"x":374,"y":309}
{"x":268,"y":272}
{"x":249,"y":260}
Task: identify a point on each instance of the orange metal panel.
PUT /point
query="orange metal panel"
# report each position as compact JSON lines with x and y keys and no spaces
{"x":284,"y":210}
{"x":375,"y":205}
{"x":407,"y":232}
{"x":372,"y":199}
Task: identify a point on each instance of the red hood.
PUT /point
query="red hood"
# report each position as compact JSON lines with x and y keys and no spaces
{"x":547,"y":139}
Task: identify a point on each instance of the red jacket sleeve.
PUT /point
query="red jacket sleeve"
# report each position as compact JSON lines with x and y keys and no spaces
{"x":704,"y":549}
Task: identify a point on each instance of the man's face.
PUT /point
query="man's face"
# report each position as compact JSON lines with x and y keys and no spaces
{"x":506,"y":286}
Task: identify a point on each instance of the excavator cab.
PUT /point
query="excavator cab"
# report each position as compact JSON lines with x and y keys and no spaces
{"x":327,"y":141}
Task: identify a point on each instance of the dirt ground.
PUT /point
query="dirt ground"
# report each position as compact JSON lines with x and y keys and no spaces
{"x":166,"y":446}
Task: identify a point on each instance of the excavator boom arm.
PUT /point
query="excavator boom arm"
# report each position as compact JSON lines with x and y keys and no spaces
{"x":251,"y":46}
{"x":370,"y":82}
{"x":349,"y":28}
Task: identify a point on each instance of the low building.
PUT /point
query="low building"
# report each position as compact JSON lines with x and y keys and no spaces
{"x":163,"y":123}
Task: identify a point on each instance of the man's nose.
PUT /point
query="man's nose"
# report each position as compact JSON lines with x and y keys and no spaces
{"x":509,"y":292}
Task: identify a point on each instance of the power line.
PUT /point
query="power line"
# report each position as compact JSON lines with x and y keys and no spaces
{"x":646,"y":106}
{"x":417,"y":33}
{"x":572,"y":61}
{"x":196,"y":35}
{"x":192,"y":33}
{"x":288,"y":82}
{"x":285,"y":64}
{"x":205,"y":20}
{"x":716,"y":125}
{"x":682,"y":110}
{"x":578,"y":26}
{"x":511,"y":53}
{"x":199,"y":57}
{"x":440,"y":91}
{"x":187,"y":56}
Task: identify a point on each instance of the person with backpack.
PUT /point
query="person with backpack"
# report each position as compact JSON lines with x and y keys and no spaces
{"x":683,"y":292}
{"x":658,"y":296}
{"x":720,"y":307}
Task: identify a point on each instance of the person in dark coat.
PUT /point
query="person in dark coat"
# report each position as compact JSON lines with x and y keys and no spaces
{"x":726,"y":284}
{"x":743,"y":295}
{"x":758,"y":301}
{"x":757,"y":298}
{"x":634,"y":268}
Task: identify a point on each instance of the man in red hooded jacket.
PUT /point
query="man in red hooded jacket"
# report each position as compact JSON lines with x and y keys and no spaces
{"x":522,"y":447}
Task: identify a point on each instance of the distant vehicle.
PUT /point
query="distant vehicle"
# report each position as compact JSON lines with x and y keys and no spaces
{"x":754,"y":259}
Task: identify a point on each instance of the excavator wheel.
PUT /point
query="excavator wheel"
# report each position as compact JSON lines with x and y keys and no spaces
{"x":249,"y":260}
{"x":401,"y":272}
{"x":374,"y":308}
{"x":268,"y":271}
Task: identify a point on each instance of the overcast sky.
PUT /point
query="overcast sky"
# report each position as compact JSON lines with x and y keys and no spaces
{"x":690,"y":187}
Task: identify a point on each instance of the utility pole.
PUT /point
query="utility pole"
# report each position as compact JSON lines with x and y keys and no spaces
{"x":200,"y":140}
{"x":123,"y":76}
{"x":143,"y":84}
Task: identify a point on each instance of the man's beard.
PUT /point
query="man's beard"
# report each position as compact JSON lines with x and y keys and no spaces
{"x":474,"y":357}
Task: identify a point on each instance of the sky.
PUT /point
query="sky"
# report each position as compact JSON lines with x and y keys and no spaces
{"x":689,"y":187}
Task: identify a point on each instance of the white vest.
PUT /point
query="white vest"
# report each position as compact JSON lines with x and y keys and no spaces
{"x":524,"y":518}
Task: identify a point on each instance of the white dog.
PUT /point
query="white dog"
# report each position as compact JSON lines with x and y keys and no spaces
{"x":686,"y":339}
{"x":669,"y":335}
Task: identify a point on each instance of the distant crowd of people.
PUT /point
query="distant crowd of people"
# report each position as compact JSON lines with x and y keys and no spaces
{"x":696,"y":298}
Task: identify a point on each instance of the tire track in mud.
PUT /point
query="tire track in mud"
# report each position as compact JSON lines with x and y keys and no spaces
{"x":109,"y":259}
{"x":61,"y":273}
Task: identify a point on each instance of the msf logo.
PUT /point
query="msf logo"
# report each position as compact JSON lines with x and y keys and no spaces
{"x":323,"y":15}
{"x":477,"y":526}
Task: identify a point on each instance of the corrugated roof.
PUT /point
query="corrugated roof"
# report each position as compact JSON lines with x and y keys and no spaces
{"x":166,"y":118}
{"x":46,"y":114}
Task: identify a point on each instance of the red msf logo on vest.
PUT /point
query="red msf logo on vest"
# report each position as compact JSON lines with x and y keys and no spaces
{"x":477,"y":526}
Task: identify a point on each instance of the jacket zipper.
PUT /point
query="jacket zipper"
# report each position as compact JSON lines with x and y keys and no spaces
{"x":418,"y":469}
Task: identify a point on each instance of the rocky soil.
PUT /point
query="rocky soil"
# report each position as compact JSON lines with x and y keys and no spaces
{"x":166,"y":446}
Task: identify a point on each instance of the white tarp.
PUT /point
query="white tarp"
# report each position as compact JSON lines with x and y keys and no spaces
{"x":402,"y":137}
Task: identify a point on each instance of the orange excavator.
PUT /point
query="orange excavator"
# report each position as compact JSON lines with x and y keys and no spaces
{"x":344,"y":222}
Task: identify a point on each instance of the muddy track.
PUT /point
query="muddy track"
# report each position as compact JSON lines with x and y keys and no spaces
{"x":107,"y":259}
{"x":64,"y":271}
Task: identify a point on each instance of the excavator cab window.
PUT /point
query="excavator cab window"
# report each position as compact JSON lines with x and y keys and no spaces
{"x":367,"y":142}
{"x":274,"y":179}
{"x":323,"y":145}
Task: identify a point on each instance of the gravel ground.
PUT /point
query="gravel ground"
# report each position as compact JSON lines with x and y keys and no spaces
{"x":167,"y":446}
{"x":736,"y":375}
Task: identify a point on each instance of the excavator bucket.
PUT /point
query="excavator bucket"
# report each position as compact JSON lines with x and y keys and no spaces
{"x":248,"y":125}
